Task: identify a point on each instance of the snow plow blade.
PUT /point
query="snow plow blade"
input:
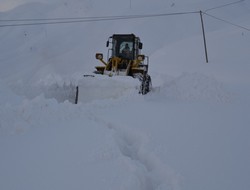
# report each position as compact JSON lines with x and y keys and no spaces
{"x":101,"y":87}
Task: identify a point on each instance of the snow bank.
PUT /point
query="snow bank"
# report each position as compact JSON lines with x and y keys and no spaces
{"x":193,"y":87}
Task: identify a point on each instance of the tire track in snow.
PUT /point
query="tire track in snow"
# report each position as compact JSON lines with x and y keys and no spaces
{"x":132,"y":147}
{"x":148,"y":171}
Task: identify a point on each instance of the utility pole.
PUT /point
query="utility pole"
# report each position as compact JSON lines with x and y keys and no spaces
{"x":204,"y":37}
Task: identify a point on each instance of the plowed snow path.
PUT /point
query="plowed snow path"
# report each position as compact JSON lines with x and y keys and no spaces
{"x":148,"y":172}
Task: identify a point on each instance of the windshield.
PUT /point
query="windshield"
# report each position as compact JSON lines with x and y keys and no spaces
{"x":123,"y":48}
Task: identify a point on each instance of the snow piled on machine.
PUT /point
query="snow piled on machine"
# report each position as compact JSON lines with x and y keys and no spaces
{"x":99,"y":87}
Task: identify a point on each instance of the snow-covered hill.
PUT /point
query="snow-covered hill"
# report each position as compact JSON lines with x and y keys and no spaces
{"x":191,"y":132}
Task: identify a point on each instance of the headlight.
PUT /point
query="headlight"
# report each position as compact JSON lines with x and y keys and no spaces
{"x":99,"y":56}
{"x":141,"y":57}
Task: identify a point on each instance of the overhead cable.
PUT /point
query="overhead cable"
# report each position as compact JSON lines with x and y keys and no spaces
{"x":94,"y":18}
{"x":29,"y":22}
{"x":228,"y":22}
{"x":225,"y":5}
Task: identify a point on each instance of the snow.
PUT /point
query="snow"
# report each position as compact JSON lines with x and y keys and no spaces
{"x":190,"y":132}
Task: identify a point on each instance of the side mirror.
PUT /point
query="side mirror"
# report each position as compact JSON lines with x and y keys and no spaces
{"x":107,"y":44}
{"x":140,"y":45}
{"x":99,"y":56}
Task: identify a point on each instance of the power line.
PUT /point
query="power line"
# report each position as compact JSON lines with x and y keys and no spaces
{"x":228,"y":22}
{"x":100,"y":17}
{"x":225,"y":5}
{"x":29,"y":22}
{"x":112,"y":17}
{"x":59,"y":18}
{"x":68,"y":20}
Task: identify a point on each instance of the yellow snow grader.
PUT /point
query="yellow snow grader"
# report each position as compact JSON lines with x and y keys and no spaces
{"x":125,"y":59}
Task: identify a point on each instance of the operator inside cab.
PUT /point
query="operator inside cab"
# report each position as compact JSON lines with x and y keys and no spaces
{"x":126,"y":52}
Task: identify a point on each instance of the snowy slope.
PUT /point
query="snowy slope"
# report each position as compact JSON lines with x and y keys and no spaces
{"x":191,"y":132}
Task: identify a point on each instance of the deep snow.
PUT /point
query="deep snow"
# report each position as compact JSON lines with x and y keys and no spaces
{"x":191,"y":132}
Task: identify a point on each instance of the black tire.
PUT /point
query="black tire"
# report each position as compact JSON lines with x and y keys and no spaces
{"x":146,"y":85}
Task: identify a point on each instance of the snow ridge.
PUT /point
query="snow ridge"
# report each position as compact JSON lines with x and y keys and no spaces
{"x":193,"y":87}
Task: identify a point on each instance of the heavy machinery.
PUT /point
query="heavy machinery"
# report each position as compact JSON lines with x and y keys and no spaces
{"x":125,"y":58}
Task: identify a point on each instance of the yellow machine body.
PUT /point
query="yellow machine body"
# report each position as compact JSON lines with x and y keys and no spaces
{"x":125,"y":59}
